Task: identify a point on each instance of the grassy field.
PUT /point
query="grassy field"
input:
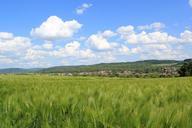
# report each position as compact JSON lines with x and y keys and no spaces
{"x":93,"y":102}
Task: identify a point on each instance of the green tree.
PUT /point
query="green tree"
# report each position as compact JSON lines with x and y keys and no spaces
{"x":186,"y":68}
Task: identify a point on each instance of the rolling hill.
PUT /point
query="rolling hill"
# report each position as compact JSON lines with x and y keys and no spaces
{"x":146,"y":66}
{"x":19,"y":70}
{"x":138,"y":66}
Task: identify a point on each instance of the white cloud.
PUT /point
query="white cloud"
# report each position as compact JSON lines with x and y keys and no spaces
{"x":35,"y":64}
{"x":73,"y":50}
{"x":132,"y":37}
{"x":168,"y":53}
{"x":124,"y":50}
{"x":105,"y":57}
{"x":154,"y":37}
{"x":54,"y":28}
{"x":5,"y":60}
{"x":127,"y":33}
{"x":136,"y":50}
{"x":186,"y":36}
{"x":12,"y":48}
{"x":154,"y":45}
{"x":10,"y":43}
{"x":34,"y":54}
{"x":5,"y":35}
{"x":161,"y":51}
{"x":126,"y":30}
{"x":99,"y":42}
{"x":86,"y":53}
{"x":104,"y":46}
{"x":158,"y":46}
{"x":154,"y":26}
{"x":47,"y":45}
{"x":83,"y":8}
{"x":108,"y":34}
{"x":190,"y":3}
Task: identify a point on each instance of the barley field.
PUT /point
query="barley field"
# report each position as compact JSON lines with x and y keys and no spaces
{"x":32,"y":101}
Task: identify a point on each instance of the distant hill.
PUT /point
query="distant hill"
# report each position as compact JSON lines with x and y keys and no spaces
{"x":19,"y":70}
{"x":138,"y":66}
{"x":146,"y":66}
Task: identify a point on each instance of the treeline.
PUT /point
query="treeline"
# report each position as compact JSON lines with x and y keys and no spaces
{"x":147,"y":68}
{"x":151,"y":68}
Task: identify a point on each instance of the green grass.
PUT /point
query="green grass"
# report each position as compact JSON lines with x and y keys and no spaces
{"x":93,"y":102}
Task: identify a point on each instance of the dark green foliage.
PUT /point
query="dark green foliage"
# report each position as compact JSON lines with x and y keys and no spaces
{"x":186,"y":68}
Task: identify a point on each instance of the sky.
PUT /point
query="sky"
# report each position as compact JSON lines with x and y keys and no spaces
{"x":45,"y":33}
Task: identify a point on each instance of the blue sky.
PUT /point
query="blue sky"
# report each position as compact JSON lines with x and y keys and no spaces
{"x":43,"y":33}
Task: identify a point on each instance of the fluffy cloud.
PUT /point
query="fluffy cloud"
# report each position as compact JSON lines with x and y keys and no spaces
{"x":83,"y":8}
{"x":105,"y":46}
{"x":35,"y":54}
{"x":108,"y":34}
{"x":154,"y":37}
{"x":5,"y":35}
{"x":54,"y":28}
{"x":5,"y":60}
{"x":47,"y":45}
{"x":87,"y":53}
{"x":124,"y":50}
{"x":153,"y":45}
{"x":132,"y":37}
{"x":99,"y":42}
{"x":154,"y":26}
{"x":13,"y":48}
{"x":161,"y":51}
{"x":70,"y":49}
{"x":73,"y":50}
{"x":126,"y":30}
{"x":186,"y":36}
{"x":10,"y":43}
